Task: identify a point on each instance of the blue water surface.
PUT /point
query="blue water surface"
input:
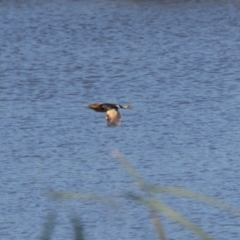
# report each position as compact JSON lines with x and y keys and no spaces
{"x":177,"y":64}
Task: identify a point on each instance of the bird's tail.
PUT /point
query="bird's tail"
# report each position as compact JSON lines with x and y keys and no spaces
{"x":127,"y":106}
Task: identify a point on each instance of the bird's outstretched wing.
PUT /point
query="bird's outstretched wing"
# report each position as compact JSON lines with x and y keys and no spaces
{"x":113,"y":118}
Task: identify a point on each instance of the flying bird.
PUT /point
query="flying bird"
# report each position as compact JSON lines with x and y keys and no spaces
{"x":113,"y":115}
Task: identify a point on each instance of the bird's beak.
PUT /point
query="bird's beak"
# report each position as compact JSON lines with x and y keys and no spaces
{"x":128,"y":106}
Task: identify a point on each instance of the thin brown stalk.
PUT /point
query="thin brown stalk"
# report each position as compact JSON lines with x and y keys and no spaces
{"x":158,"y":225}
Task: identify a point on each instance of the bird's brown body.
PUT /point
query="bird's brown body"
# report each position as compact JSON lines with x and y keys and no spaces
{"x":113,"y":115}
